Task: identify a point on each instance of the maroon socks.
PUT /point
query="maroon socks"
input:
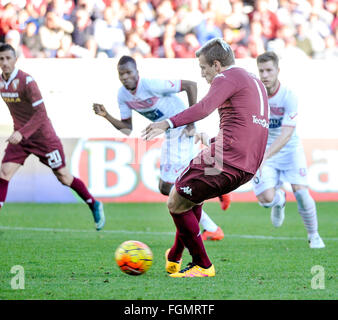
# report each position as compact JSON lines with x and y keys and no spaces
{"x":3,"y":191}
{"x":188,"y":234}
{"x":81,"y":189}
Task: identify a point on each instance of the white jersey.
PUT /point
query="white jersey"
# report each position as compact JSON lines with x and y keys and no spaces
{"x":155,"y":99}
{"x":283,"y":112}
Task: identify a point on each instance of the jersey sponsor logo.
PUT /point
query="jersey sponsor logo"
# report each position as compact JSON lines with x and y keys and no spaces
{"x":10,"y":97}
{"x":261,"y":122}
{"x":9,"y":94}
{"x":302,"y":172}
{"x":152,"y":115}
{"x":275,"y":123}
{"x":187,"y":190}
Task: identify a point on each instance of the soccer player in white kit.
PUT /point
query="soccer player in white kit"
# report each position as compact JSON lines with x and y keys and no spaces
{"x":284,"y":158}
{"x":156,"y":100}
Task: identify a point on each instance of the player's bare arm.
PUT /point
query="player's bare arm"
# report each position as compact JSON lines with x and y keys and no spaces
{"x":154,"y":129}
{"x":125,"y":125}
{"x":278,"y":144}
{"x":190,"y":87}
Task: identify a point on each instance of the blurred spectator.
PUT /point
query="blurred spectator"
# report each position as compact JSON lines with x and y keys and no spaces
{"x":267,"y":18}
{"x":23,"y":19}
{"x":207,"y":29}
{"x":137,"y":47}
{"x":83,"y":33}
{"x":187,"y":46}
{"x":8,"y":20}
{"x":256,"y":41}
{"x":109,"y":34}
{"x":303,"y":40}
{"x":189,"y":16}
{"x":14,"y":39}
{"x":331,"y":48}
{"x":52,"y":31}
{"x":32,"y":41}
{"x":285,"y":45}
{"x":169,"y":28}
{"x":37,"y":9}
{"x":62,"y":8}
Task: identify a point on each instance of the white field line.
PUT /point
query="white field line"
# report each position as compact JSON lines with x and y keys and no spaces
{"x":244,"y":236}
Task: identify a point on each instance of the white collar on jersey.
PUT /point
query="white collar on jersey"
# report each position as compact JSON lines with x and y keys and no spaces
{"x":12,"y":76}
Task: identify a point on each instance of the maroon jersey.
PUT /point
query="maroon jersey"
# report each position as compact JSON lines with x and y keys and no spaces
{"x":242,"y":104}
{"x":25,"y":103}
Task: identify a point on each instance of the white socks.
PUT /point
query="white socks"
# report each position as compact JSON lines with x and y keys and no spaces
{"x":207,"y":223}
{"x":307,"y":209}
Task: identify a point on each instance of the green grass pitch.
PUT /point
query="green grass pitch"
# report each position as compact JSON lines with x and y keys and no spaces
{"x":63,"y":257}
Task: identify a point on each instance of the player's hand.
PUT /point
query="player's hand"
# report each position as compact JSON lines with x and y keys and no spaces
{"x":189,"y":130}
{"x":203,"y":137}
{"x":154,"y":130}
{"x":99,"y":109}
{"x":15,"y":138}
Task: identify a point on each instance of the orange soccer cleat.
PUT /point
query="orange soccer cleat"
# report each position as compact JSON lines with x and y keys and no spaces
{"x":225,"y":201}
{"x":216,"y":235}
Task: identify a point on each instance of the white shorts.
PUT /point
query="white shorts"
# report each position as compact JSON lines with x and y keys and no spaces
{"x":176,"y":153}
{"x":273,"y":175}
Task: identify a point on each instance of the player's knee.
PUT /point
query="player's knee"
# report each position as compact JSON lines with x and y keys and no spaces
{"x":64,"y":178}
{"x":265,"y":200}
{"x":171,"y":204}
{"x":6,"y":173}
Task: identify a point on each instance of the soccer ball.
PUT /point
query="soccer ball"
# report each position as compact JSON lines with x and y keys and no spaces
{"x":133,"y":257}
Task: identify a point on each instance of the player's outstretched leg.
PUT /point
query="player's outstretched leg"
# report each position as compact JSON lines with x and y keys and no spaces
{"x":211,"y":230}
{"x":187,"y":225}
{"x":80,"y":188}
{"x":225,"y":201}
{"x":307,"y":210}
{"x":95,"y":206}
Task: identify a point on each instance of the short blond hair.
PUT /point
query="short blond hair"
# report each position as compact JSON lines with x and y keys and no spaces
{"x":217,"y":49}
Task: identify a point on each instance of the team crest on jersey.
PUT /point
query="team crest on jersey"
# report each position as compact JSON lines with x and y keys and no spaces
{"x":15,"y":84}
{"x":302,"y":172}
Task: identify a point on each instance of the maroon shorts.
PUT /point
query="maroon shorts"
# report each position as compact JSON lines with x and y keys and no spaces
{"x":49,"y":152}
{"x":197,"y":184}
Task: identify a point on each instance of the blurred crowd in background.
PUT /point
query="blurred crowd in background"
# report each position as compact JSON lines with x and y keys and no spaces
{"x":168,"y":28}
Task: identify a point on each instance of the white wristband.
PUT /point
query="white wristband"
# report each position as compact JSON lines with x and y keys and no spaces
{"x":171,"y":125}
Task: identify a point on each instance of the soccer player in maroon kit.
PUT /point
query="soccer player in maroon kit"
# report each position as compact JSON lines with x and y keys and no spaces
{"x":231,"y":159}
{"x":34,"y":133}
